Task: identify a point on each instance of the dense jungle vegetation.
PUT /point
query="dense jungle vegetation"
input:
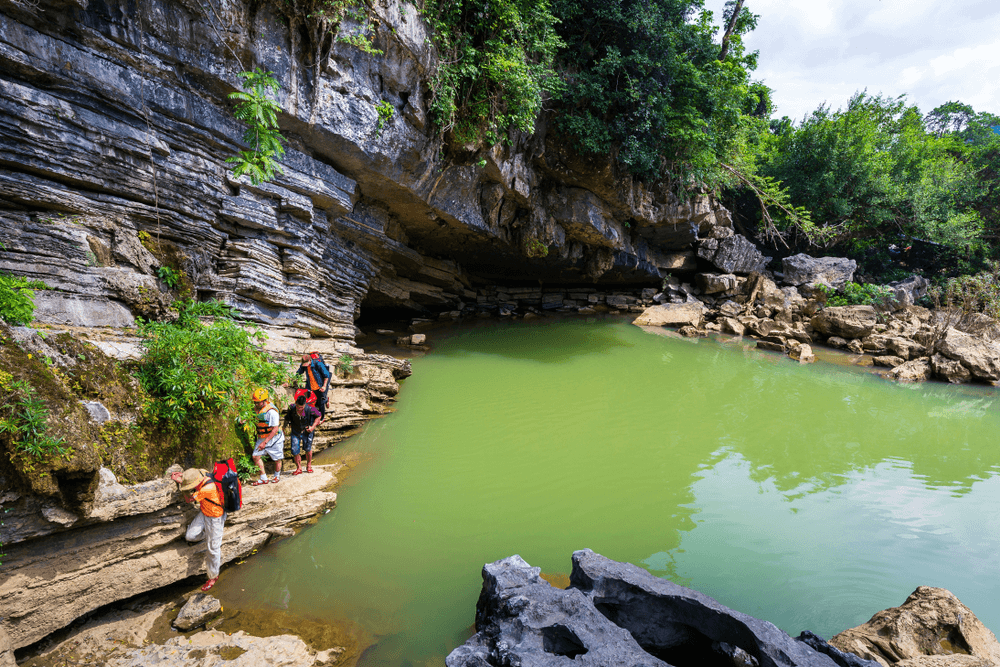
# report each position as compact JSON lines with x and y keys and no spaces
{"x":658,"y":85}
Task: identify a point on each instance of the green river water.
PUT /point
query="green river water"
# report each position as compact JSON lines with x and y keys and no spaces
{"x":809,"y":496}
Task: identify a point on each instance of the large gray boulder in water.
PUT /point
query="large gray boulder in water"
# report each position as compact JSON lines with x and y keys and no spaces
{"x":619,"y":614}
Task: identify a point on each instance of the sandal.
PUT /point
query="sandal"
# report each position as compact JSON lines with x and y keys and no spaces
{"x":297,"y":472}
{"x":275,"y":480}
{"x":208,"y":584}
{"x":309,"y":469}
{"x":259,"y":482}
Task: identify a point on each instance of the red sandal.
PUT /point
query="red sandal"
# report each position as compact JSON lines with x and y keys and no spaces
{"x":297,"y":472}
{"x":309,"y":469}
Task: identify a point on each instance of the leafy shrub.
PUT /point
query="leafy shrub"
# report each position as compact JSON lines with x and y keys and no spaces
{"x":195,"y":370}
{"x":24,"y":418}
{"x":385,"y":112}
{"x":495,"y":67}
{"x":345,"y":364}
{"x":979,"y":293}
{"x":260,"y":113}
{"x":855,"y":294}
{"x":16,"y":298}
{"x":169,"y":277}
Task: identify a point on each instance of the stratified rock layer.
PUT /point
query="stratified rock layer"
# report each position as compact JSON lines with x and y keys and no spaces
{"x":619,"y":614}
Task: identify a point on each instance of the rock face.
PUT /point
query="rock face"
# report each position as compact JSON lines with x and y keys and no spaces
{"x":114,"y":128}
{"x":931,"y":628}
{"x":980,"y":357}
{"x":48,"y":583}
{"x":618,"y":614}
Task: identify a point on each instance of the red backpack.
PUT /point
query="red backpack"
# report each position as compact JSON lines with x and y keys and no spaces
{"x":227,"y":482}
{"x":310,"y":396}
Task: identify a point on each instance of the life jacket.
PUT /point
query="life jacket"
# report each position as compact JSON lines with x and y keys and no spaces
{"x":227,"y":482}
{"x":314,"y":382}
{"x":263,"y":428}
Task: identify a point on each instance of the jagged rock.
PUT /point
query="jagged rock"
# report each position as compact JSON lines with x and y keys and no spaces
{"x":931,"y":622}
{"x":672,"y":315}
{"x":733,"y":255}
{"x":730,"y":308}
{"x":855,"y":346}
{"x":802,"y":353}
{"x":950,"y":370}
{"x":833,"y":272}
{"x":616,"y":614}
{"x":713,"y":283}
{"x":981,"y":357}
{"x":845,"y":321}
{"x":917,"y":370}
{"x":208,"y":647}
{"x":887,"y":361}
{"x":198,"y":610}
{"x":98,"y":412}
{"x":732,"y":325}
{"x":906,"y":292}
{"x":770,"y":345}
{"x":692,"y":332}
{"x":837,"y":342}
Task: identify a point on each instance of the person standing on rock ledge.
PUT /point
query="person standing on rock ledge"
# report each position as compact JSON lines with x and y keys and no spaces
{"x":303,"y":419}
{"x":211,"y":520}
{"x":270,"y":438}
{"x":317,"y":379}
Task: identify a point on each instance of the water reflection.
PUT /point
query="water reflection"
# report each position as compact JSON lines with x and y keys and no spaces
{"x":808,"y":496}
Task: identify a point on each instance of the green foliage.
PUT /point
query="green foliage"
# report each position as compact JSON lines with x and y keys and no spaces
{"x":872,"y":170}
{"x":855,"y":294}
{"x":385,"y":112}
{"x":17,"y":306}
{"x":345,"y":364}
{"x":644,"y":81}
{"x":196,"y":370}
{"x":535,"y":248}
{"x":259,"y":112}
{"x":495,"y":66}
{"x":170,"y":278}
{"x":245,"y":468}
{"x":24,"y":418}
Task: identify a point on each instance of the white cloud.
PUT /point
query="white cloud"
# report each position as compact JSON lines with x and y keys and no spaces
{"x":815,"y":51}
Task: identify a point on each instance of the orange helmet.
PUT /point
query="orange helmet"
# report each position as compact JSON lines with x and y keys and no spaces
{"x":259,"y":395}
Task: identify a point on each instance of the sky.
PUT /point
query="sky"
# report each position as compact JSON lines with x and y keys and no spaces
{"x":934,"y":51}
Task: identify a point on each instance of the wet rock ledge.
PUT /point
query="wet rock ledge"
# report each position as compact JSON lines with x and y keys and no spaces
{"x":619,"y":614}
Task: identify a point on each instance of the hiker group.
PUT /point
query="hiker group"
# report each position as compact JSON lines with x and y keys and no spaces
{"x":218,"y":492}
{"x":303,"y":416}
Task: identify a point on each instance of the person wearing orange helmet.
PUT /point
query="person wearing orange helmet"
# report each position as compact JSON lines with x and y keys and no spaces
{"x":270,"y":439}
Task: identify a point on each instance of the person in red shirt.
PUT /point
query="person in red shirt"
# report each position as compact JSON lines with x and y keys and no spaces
{"x":209,"y":522}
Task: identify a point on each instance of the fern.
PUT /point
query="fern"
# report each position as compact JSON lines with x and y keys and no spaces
{"x":255,"y":107}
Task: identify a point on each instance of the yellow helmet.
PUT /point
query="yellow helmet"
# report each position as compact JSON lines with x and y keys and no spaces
{"x":259,"y":395}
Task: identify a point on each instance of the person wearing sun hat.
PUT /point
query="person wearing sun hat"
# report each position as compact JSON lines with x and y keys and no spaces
{"x":270,"y":438}
{"x":210,"y":521}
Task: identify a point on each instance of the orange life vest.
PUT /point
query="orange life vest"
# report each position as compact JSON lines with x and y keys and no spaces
{"x":263,"y":428}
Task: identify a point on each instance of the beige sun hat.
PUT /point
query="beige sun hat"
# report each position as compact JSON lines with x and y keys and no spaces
{"x":191,"y":477}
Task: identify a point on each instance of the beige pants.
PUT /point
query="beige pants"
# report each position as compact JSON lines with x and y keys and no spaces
{"x":208,"y":528}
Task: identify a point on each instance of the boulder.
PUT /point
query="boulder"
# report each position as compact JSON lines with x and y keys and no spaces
{"x":803,"y":353}
{"x":981,"y":357}
{"x":672,"y":315}
{"x":855,"y":347}
{"x":837,"y":342}
{"x":198,"y":610}
{"x":887,"y":361}
{"x":931,"y":622}
{"x":733,"y":255}
{"x":906,"y":292}
{"x":732,"y":325}
{"x":845,"y":321}
{"x":619,"y":614}
{"x":949,"y":370}
{"x":833,"y":272}
{"x":714,"y":283}
{"x":917,"y":370}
